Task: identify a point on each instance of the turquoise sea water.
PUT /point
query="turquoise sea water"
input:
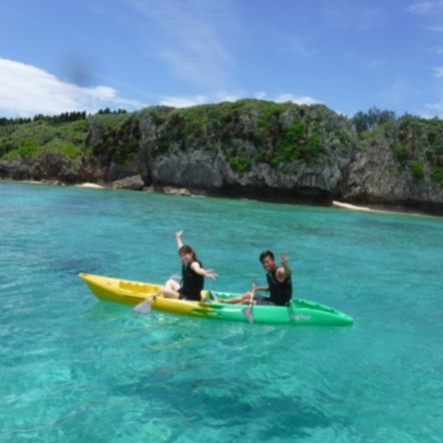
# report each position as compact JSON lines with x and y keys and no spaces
{"x":73,"y":369}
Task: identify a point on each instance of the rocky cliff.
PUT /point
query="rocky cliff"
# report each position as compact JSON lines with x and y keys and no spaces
{"x":249,"y":148}
{"x":399,"y":164}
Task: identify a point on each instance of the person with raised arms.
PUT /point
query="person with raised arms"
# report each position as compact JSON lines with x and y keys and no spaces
{"x":193,"y":275}
{"x":279,"y":284}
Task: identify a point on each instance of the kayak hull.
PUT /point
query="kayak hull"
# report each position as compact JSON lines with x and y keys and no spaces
{"x":300,"y":312}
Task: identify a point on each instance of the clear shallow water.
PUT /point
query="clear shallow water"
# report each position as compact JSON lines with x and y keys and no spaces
{"x":73,"y":369}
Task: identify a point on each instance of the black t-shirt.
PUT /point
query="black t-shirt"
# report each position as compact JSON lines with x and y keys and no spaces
{"x":192,"y":283}
{"x":279,"y":292}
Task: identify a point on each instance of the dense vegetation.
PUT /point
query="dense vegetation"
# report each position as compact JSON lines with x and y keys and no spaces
{"x":65,"y":134}
{"x":43,"y":136}
{"x":420,"y":143}
{"x":416,"y":142}
{"x":276,"y":132}
{"x":246,"y":131}
{"x":365,"y":121}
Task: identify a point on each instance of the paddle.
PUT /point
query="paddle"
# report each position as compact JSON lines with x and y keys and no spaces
{"x":145,"y":306}
{"x":247,"y":312}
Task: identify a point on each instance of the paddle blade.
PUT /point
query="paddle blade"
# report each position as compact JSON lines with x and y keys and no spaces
{"x":143,"y":307}
{"x":247,"y":312}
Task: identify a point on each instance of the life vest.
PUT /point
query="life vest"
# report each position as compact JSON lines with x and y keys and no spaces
{"x":279,"y":292}
{"x":192,"y":283}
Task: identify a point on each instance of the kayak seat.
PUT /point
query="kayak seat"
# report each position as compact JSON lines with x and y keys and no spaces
{"x":208,"y":297}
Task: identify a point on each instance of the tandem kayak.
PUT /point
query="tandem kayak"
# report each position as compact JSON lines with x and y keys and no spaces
{"x":299,"y":312}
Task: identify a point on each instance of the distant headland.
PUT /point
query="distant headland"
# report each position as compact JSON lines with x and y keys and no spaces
{"x":249,"y":148}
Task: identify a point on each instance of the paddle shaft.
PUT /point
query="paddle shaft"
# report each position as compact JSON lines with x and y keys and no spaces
{"x":247,"y":312}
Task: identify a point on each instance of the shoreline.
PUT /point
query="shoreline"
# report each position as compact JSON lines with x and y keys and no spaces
{"x":185,"y":192}
{"x":351,"y":207}
{"x":90,"y":185}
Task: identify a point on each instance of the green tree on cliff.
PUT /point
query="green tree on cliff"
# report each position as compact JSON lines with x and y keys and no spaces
{"x":365,"y":121}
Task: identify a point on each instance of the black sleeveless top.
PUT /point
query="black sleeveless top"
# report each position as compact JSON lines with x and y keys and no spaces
{"x":280,"y":293}
{"x":192,"y":283}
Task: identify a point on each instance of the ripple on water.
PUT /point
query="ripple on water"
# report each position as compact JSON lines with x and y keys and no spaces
{"x":75,"y":369}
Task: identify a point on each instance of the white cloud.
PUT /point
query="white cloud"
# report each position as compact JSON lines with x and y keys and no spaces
{"x":288,"y":97}
{"x":396,"y":92}
{"x":26,"y":90}
{"x":183,"y":102}
{"x":299,"y":47}
{"x":356,"y":14}
{"x":435,"y":109}
{"x":190,"y":36}
{"x":437,"y":50}
{"x":425,"y":8}
{"x":260,"y":95}
{"x":399,"y":92}
{"x":434,"y":28}
{"x":377,"y":65}
{"x":303,"y":100}
{"x":187,"y":101}
{"x":438,"y":72}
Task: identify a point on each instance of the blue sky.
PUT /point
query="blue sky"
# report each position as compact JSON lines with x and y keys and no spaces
{"x":64,"y":55}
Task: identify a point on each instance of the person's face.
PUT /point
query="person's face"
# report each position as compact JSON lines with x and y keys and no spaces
{"x":268,"y":264}
{"x":186,"y":257}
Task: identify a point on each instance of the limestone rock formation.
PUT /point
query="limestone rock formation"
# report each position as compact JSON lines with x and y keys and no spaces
{"x":134,"y":183}
{"x":250,"y":148}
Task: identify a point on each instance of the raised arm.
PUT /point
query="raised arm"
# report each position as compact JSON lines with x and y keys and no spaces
{"x":178,"y":239}
{"x":284,"y":271}
{"x":205,"y":272}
